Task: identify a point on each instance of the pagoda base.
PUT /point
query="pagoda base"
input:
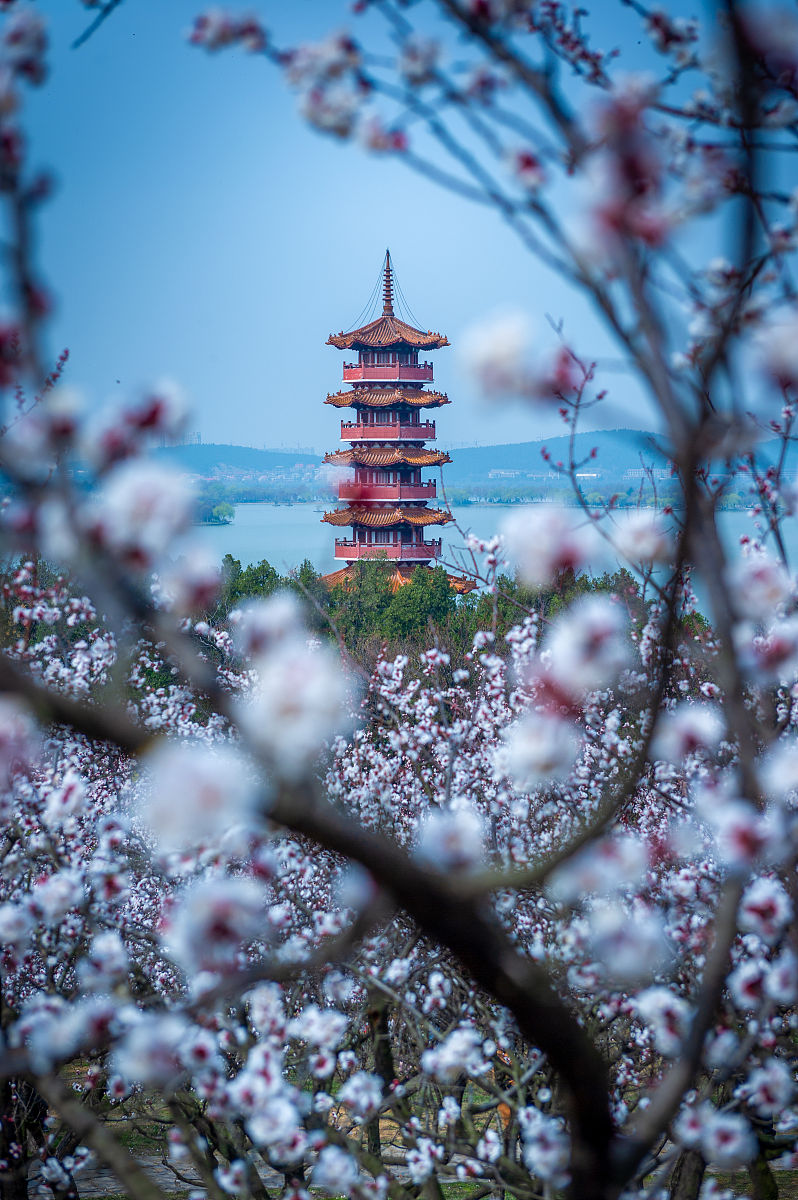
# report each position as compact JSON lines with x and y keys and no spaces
{"x":400,"y":574}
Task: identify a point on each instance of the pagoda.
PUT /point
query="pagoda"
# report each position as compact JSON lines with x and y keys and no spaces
{"x":388,"y":506}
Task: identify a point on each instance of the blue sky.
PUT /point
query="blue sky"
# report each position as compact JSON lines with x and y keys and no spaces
{"x":200,"y":230}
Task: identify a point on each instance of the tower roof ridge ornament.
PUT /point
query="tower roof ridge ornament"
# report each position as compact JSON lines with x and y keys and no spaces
{"x":387,"y":331}
{"x":387,"y":290}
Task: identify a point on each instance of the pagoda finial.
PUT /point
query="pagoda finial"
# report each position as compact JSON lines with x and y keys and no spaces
{"x":387,"y":293}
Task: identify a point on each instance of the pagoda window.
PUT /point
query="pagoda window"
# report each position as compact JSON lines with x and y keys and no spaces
{"x":382,"y":537}
{"x":407,"y":535}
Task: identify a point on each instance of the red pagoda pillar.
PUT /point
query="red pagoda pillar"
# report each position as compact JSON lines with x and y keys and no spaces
{"x":387,"y":501}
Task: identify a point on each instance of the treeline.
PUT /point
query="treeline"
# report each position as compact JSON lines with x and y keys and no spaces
{"x":213,"y":492}
{"x":367,"y":615}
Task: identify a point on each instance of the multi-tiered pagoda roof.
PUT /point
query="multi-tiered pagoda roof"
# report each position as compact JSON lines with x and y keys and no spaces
{"x":388,"y":503}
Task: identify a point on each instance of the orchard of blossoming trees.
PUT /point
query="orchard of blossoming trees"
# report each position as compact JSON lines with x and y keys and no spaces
{"x":527,"y":923}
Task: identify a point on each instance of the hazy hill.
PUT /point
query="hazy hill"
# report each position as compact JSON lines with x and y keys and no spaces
{"x":204,"y":459}
{"x":618,"y":450}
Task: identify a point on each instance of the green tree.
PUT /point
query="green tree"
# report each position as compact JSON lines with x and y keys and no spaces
{"x":427,"y":598}
{"x":358,"y":606}
{"x":306,"y":580}
{"x":223,"y":513}
{"x":258,"y":579}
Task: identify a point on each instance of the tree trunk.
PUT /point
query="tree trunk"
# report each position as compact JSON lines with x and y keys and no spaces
{"x":687,"y":1176}
{"x":13,"y":1144}
{"x":383,"y":1062}
{"x":763,"y":1181}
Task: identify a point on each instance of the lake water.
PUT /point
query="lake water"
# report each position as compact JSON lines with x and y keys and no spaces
{"x":285,"y":534}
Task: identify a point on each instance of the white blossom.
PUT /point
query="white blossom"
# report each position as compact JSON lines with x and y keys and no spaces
{"x":760,"y":585}
{"x":15,"y":925}
{"x":318,"y":1026}
{"x":261,"y":625}
{"x":335,"y":1171}
{"x":460,"y":1051}
{"x":498,"y":352}
{"x":452,"y":839}
{"x":781,"y":980}
{"x":105,"y":963}
{"x":19,"y":739}
{"x":274,"y":1123}
{"x":65,"y":801}
{"x":629,"y":946}
{"x":688,"y":728}
{"x":299,"y":703}
{"x":213,"y":920}
{"x":746,"y":984}
{"x":643,"y":537}
{"x":151,"y":1050}
{"x":192,"y":793}
{"x":362,"y":1092}
{"x":139,"y":511}
{"x":537,"y":750}
{"x":421,"y":1159}
{"x":56,"y":894}
{"x":765,"y":908}
{"x":546,"y":1146}
{"x":667,"y":1015}
{"x":769,"y":1088}
{"x":609,"y":865}
{"x":543,"y":541}
{"x":727,"y":1140}
{"x":588,"y":645}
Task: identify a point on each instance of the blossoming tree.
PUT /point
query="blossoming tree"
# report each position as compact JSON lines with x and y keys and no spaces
{"x":527,"y":923}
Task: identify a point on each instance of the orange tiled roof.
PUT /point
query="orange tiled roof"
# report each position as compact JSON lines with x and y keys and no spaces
{"x":400,"y":575}
{"x":386,"y":456}
{"x":387,"y":330}
{"x":382,"y":518}
{"x":385,"y":397}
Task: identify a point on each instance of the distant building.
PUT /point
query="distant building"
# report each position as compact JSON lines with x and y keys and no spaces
{"x":647,"y":473}
{"x":191,"y":438}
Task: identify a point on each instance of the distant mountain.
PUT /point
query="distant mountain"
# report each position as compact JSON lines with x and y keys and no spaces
{"x":206,"y":459}
{"x":617,"y":450}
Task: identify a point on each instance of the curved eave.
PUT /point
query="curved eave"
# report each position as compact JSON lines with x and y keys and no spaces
{"x":387,"y":458}
{"x":384,"y":518}
{"x":386,"y":398}
{"x":385,"y":333}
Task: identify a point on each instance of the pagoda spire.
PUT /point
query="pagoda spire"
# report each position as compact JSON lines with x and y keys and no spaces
{"x":387,"y":291}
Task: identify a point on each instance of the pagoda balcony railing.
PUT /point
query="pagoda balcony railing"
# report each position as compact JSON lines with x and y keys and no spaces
{"x":363,"y":492}
{"x":388,"y":372}
{"x":394,"y":551}
{"x":352,"y":431}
